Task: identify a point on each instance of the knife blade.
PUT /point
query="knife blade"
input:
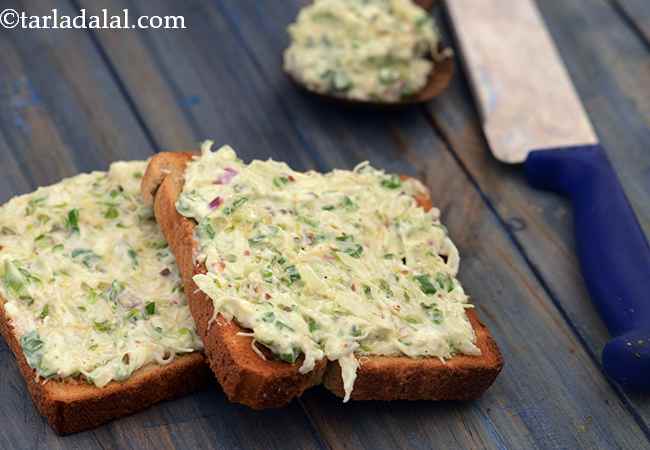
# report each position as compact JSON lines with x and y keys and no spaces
{"x":531,"y":113}
{"x":500,"y":41}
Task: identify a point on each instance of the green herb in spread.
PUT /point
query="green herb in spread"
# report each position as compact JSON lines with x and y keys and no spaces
{"x":32,"y":346}
{"x":363,"y":49}
{"x":326,"y":265}
{"x":426,"y":285}
{"x":72,"y":221}
{"x":78,"y":284}
{"x":103,"y":327}
{"x":391,"y":182}
{"x":111,"y":213}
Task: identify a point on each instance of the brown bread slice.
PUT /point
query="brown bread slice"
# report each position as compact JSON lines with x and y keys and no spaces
{"x":73,"y":405}
{"x":243,"y":375}
{"x":246,"y":378}
{"x":400,"y":378}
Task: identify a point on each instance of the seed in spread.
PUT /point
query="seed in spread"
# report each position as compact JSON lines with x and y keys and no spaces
{"x":333,"y":265}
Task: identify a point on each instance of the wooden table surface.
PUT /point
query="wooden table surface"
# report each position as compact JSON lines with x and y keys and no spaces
{"x":75,"y":100}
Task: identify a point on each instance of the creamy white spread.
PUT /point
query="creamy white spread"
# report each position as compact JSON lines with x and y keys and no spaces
{"x":332,"y":265}
{"x":362,"y":49}
{"x":91,"y":287}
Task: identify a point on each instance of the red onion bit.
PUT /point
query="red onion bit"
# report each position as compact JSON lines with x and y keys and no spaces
{"x":214,"y":204}
{"x":227,"y":175}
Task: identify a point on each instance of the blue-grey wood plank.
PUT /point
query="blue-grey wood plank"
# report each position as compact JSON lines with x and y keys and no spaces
{"x":12,"y":181}
{"x":608,"y":63}
{"x":551,"y":394}
{"x":637,"y":12}
{"x":202,"y":86}
{"x":62,"y":112}
{"x":610,"y":66}
{"x":55,"y":99}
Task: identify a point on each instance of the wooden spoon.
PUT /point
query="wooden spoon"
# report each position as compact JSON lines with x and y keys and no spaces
{"x":439,"y":79}
{"x":425,"y":4}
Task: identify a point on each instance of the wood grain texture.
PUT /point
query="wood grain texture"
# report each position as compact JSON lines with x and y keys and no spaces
{"x":62,"y":113}
{"x":52,"y":102}
{"x":548,"y":390}
{"x":609,"y":66}
{"x":197,"y":88}
{"x":637,"y":12}
{"x":12,"y":181}
{"x":222,"y":78}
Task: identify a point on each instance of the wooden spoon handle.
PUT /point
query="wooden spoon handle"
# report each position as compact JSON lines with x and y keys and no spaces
{"x":426,"y":4}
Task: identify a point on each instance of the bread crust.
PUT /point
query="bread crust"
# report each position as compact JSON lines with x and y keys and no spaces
{"x":462,"y":377}
{"x":73,"y":405}
{"x":243,"y":375}
{"x":246,"y":378}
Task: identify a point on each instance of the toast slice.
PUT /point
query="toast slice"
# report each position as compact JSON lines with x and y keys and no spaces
{"x":246,"y":378}
{"x":55,"y":345}
{"x":72,"y":405}
{"x":243,"y":375}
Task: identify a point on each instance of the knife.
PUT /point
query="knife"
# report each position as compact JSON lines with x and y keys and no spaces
{"x":531,"y":114}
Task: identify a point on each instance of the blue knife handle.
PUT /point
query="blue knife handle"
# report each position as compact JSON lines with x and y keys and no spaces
{"x":613,"y":252}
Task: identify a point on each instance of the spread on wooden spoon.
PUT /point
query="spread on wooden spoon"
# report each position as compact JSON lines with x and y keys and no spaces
{"x":382,"y":51}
